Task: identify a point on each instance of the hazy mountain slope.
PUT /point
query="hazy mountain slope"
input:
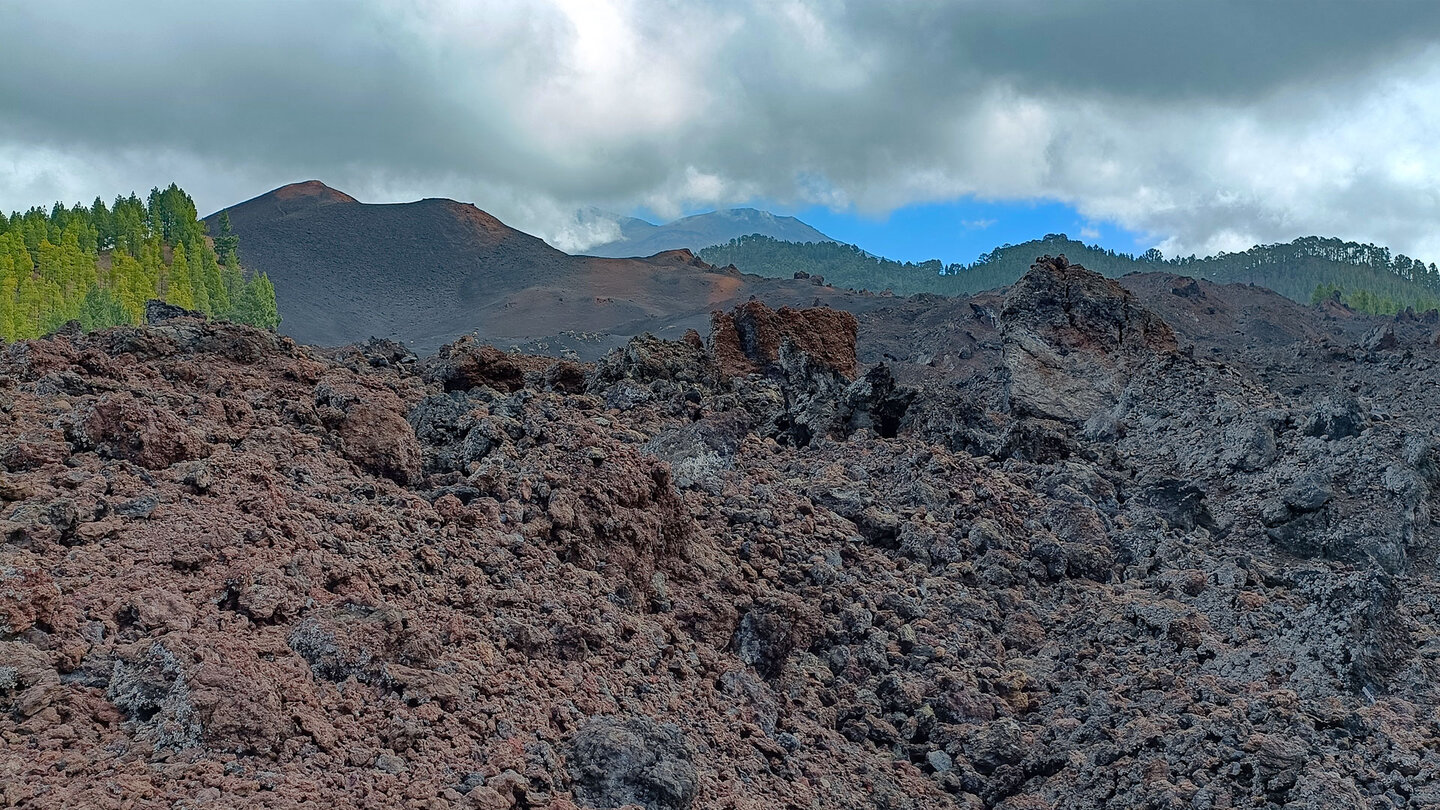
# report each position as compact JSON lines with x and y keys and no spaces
{"x":428,"y":271}
{"x":641,"y":238}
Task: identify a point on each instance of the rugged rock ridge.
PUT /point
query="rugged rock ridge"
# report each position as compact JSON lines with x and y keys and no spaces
{"x":1071,"y":338}
{"x":751,"y":338}
{"x":234,"y":569}
{"x":1074,"y":309}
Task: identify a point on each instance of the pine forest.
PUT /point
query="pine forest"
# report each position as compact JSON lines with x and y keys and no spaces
{"x":98,"y":265}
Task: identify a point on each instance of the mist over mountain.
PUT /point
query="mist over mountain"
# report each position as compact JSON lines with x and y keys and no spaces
{"x":638,"y":237}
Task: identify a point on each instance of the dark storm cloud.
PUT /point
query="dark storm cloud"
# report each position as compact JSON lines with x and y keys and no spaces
{"x":1203,"y":123}
{"x":299,"y":83}
{"x":1221,"y":50}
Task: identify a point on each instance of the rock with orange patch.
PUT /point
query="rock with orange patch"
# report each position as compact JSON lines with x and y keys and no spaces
{"x":747,"y":340}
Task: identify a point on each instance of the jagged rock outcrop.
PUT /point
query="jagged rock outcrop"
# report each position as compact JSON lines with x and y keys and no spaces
{"x":1071,"y":336}
{"x":157,"y":311}
{"x":750,"y":339}
{"x":1074,"y":309}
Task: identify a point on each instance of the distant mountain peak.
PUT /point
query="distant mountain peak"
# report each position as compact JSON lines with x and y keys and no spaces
{"x":312,"y":190}
{"x":428,"y":271}
{"x":695,"y":232}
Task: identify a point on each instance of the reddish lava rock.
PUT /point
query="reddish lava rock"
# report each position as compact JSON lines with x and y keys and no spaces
{"x":748,"y":339}
{"x":122,"y":426}
{"x":466,"y":364}
{"x":380,"y":441}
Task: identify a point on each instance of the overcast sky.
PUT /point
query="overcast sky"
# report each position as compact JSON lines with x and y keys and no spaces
{"x":1197,"y":125}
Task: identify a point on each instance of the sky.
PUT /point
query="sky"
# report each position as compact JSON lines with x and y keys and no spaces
{"x":955,"y":230}
{"x":915,"y":128}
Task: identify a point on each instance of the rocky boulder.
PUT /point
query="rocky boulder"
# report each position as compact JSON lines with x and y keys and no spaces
{"x":370,"y":423}
{"x":748,"y":339}
{"x":1072,"y":308}
{"x":618,"y":762}
{"x":464,"y":364}
{"x":157,"y":311}
{"x":148,"y":433}
{"x":1071,"y":336}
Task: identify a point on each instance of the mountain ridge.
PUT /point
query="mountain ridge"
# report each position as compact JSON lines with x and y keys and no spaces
{"x":428,"y":271}
{"x":1304,"y":270}
{"x":639,"y":237}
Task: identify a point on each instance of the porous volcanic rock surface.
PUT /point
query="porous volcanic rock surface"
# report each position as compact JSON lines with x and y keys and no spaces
{"x":1198,"y":572}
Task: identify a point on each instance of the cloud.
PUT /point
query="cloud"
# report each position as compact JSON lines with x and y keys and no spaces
{"x":1204,"y":125}
{"x":977,"y":224}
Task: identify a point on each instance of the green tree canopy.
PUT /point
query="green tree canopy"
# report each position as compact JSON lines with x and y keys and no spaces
{"x":99,"y":264}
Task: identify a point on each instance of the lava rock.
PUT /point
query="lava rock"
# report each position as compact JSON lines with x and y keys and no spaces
{"x":158,"y":312}
{"x":748,"y":339}
{"x":619,"y":761}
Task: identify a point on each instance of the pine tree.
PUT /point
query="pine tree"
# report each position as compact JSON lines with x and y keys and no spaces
{"x":49,"y":261}
{"x":104,"y":224}
{"x":199,"y":292}
{"x":178,"y":288}
{"x":34,"y":228}
{"x":79,"y":271}
{"x":234,"y":289}
{"x":7,"y":315}
{"x":129,"y":218}
{"x":53,"y":313}
{"x":152,"y":262}
{"x":257,"y":304}
{"x":9,"y":272}
{"x":227,"y":243}
{"x":26,"y":317}
{"x":101,"y":309}
{"x":216,"y":296}
{"x":131,"y":285}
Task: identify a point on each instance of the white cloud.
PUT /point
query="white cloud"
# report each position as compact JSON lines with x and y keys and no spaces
{"x":533,"y":110}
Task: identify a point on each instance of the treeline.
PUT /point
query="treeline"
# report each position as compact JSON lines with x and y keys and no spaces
{"x":1371,"y":278}
{"x":1362,"y":300}
{"x":840,"y":264}
{"x":99,"y":265}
